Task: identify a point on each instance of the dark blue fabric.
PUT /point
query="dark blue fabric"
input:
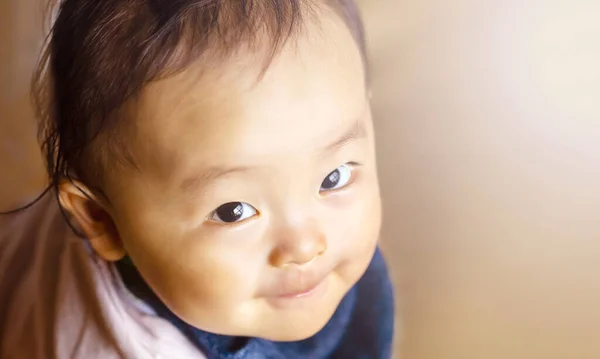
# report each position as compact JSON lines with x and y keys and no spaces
{"x":361,"y":328}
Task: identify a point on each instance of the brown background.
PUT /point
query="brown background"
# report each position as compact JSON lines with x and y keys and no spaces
{"x":488,"y":121}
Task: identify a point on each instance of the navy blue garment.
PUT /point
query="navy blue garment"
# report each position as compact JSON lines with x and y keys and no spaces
{"x":361,"y":328}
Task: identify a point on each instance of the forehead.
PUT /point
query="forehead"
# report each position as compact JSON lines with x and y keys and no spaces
{"x":310,"y":92}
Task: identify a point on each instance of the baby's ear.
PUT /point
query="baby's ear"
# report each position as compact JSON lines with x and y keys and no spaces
{"x":92,"y":218}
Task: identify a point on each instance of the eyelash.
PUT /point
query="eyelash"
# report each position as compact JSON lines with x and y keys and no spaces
{"x":351,"y":180}
{"x":353,"y":166}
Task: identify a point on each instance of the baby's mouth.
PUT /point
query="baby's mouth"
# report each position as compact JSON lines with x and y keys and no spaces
{"x":303,"y":292}
{"x":306,"y":290}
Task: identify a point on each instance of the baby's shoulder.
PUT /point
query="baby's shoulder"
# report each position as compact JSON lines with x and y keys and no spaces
{"x":29,"y":236}
{"x":31,"y":245}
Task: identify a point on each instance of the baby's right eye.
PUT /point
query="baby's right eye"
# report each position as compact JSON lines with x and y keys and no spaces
{"x":233,"y":212}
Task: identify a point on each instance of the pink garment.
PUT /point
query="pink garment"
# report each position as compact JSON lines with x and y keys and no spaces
{"x":60,"y":301}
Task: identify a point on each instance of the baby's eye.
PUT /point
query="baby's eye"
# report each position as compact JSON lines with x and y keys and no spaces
{"x":233,"y":212}
{"x":337,"y":179}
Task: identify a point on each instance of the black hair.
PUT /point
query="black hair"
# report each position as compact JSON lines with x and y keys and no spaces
{"x":99,"y":54}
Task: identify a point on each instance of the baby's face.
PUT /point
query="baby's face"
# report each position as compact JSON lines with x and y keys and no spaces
{"x":256,"y":204}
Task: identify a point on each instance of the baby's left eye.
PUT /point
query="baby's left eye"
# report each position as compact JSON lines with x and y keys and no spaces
{"x":337,"y":179}
{"x":233,"y":212}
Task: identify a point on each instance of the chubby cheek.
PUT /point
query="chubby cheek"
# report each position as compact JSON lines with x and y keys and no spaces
{"x":194,"y":285}
{"x":209,"y":291}
{"x":358,"y":240}
{"x":203,"y":280}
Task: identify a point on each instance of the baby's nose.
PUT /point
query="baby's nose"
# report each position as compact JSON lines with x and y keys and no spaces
{"x":298,"y":248}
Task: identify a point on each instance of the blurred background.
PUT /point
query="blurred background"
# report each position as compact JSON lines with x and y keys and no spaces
{"x":488,"y":123}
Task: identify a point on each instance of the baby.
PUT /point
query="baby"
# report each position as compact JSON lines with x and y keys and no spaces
{"x":213,"y":192}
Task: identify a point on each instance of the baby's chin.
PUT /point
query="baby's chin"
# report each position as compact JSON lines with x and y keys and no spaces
{"x":295,"y":324}
{"x":283,"y":326}
{"x":292,"y":332}
{"x":276,"y":329}
{"x":281,"y":320}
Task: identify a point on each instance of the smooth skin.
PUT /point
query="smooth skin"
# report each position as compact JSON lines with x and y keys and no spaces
{"x":290,"y":154}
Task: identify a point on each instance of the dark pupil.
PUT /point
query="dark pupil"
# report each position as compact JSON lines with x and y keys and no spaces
{"x":230,"y":212}
{"x":331,"y":181}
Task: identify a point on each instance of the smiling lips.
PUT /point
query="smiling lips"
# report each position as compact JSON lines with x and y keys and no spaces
{"x":299,"y":284}
{"x":301,"y":293}
{"x":300,"y":289}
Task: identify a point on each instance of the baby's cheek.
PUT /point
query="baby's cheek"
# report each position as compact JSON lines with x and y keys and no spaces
{"x":203,"y":294}
{"x":367,"y":223}
{"x":216,"y":282}
{"x":362,"y":236}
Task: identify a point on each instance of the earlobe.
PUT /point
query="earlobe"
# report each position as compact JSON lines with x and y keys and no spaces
{"x":92,"y":218}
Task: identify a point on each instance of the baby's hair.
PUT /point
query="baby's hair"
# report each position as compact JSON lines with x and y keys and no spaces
{"x":100,"y":53}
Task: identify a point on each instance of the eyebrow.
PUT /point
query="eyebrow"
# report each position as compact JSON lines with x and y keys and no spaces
{"x":210,"y":175}
{"x":357,"y":131}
